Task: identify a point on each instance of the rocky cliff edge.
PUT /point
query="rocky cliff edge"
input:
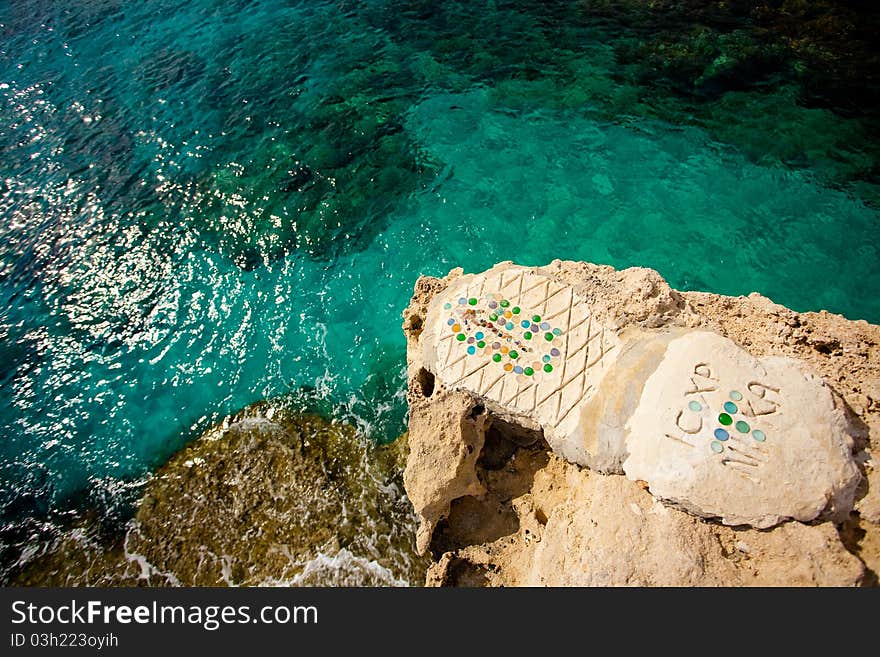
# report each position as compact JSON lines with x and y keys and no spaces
{"x":577,"y":425}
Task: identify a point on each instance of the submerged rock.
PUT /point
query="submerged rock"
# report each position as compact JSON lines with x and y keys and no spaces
{"x":267,"y":497}
{"x":502,"y":494}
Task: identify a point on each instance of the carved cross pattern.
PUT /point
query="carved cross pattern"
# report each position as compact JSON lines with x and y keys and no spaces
{"x":552,"y":384}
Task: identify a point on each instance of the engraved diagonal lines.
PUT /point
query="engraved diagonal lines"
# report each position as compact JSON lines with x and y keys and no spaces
{"x":555,"y":395}
{"x":545,"y":304}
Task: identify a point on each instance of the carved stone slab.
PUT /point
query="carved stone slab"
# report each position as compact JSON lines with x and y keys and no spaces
{"x":752,"y":441}
{"x":524,"y":342}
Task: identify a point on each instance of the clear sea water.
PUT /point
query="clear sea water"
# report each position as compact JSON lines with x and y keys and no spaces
{"x":204,"y":204}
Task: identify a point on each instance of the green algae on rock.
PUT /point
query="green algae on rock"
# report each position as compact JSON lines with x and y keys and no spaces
{"x":269,"y":497}
{"x":266,"y":497}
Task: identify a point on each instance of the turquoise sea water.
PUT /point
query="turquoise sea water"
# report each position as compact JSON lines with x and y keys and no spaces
{"x":205,"y":204}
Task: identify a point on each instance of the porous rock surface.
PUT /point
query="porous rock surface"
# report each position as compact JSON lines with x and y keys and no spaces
{"x":267,"y":497}
{"x":532,"y":506}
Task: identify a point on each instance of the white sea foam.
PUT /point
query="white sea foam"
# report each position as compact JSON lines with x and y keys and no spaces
{"x":147,"y":569}
{"x":340,"y":569}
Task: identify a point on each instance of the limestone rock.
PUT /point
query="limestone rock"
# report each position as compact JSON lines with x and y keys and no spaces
{"x":869,"y":505}
{"x":445,"y":440}
{"x":603,"y":419}
{"x":524,"y":343}
{"x":610,"y":533}
{"x":752,"y":441}
{"x":574,"y":527}
{"x":515,"y":515}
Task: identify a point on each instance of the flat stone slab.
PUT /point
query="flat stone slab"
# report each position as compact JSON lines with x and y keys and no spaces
{"x":751,"y":441}
{"x":525,"y":343}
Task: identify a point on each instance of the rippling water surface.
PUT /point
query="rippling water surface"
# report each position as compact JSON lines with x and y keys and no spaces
{"x":204,"y":204}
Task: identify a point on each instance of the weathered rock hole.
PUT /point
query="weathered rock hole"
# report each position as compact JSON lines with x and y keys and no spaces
{"x":541,"y":517}
{"x":415,"y":324}
{"x":497,"y":450}
{"x":466,"y":573}
{"x":517,"y":434}
{"x":826,"y":347}
{"x":425,"y":381}
{"x":506,"y":465}
{"x":476,"y":411}
{"x":472,"y":521}
{"x":501,"y":441}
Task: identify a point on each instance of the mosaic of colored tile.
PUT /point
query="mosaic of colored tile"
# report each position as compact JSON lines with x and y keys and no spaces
{"x":524,"y":343}
{"x":728,"y":421}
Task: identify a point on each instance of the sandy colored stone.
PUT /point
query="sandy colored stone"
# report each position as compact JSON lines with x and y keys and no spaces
{"x":550,"y":506}
{"x":543,"y":354}
{"x":869,"y":506}
{"x":786,"y":453}
{"x":578,"y":528}
{"x":445,"y":439}
{"x":603,"y":418}
{"x":581,"y":546}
